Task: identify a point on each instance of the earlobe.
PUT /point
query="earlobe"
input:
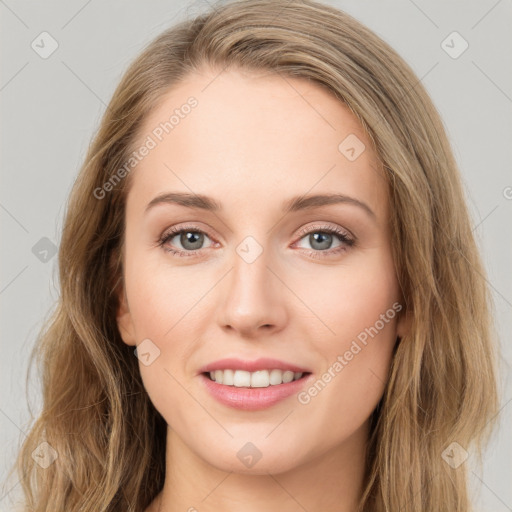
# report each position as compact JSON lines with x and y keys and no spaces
{"x":124,"y":321}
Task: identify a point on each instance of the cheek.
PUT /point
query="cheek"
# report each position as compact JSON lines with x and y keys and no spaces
{"x":349,"y":299}
{"x":159,"y":301}
{"x":159,"y":313}
{"x":161,"y":297}
{"x":352,"y":381}
{"x":359,"y":311}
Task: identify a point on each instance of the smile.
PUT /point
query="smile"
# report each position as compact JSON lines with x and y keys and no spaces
{"x":243,"y":395}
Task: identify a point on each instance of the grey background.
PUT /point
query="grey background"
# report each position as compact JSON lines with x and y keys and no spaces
{"x":51,"y":107}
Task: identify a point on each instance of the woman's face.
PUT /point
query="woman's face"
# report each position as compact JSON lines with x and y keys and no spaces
{"x":312,"y":286}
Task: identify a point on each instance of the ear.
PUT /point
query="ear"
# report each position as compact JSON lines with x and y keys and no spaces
{"x":124,"y":320}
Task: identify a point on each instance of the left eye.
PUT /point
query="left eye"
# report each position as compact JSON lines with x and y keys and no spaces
{"x":322,"y":240}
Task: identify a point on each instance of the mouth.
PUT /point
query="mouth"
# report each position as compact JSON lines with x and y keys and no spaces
{"x":253,"y":391}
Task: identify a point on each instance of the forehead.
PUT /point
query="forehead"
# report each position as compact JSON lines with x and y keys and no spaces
{"x":236,"y":134}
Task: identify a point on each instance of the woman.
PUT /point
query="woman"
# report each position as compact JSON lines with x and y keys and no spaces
{"x":324,"y":343}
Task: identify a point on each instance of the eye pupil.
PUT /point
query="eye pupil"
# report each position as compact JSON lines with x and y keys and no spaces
{"x":324,"y":239}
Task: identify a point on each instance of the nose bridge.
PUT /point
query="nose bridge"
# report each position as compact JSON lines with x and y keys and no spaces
{"x":250,"y":273}
{"x":251,"y":297}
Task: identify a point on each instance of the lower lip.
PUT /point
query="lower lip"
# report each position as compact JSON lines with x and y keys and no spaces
{"x":252,"y":399}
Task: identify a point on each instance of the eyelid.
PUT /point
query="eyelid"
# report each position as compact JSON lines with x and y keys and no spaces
{"x":325,"y":227}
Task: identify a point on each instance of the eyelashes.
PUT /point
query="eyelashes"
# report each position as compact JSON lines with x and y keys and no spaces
{"x":346,"y":241}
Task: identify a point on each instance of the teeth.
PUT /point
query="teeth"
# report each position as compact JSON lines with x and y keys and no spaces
{"x":259,"y":379}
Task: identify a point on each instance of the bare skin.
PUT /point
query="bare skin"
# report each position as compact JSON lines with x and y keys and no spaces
{"x":252,"y":143}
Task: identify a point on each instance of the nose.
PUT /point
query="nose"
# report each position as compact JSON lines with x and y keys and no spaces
{"x":253,"y":298}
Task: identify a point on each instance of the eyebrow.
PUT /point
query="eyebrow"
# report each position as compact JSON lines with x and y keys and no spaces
{"x":294,"y":204}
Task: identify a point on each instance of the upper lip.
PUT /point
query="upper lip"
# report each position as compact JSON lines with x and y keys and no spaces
{"x":263,"y":363}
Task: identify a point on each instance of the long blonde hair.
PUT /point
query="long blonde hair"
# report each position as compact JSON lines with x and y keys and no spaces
{"x":442,"y":386}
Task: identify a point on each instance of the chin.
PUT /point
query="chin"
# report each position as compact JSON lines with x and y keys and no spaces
{"x":258,"y":457}
{"x":273,"y":464}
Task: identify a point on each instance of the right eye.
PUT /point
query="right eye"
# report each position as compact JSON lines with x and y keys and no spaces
{"x":191,"y":240}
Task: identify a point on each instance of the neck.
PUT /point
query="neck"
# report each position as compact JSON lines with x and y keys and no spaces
{"x":331,"y":482}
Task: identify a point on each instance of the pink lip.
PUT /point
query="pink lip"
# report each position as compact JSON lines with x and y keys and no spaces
{"x":251,"y":399}
{"x":263,"y":363}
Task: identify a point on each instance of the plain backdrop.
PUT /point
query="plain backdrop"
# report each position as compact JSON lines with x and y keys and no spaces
{"x":52,"y":104}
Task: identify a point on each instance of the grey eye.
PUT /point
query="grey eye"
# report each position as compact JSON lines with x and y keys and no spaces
{"x":191,"y":240}
{"x":320,"y":240}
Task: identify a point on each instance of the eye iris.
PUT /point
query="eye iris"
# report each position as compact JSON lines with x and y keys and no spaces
{"x":322,"y":238}
{"x":193,"y":237}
